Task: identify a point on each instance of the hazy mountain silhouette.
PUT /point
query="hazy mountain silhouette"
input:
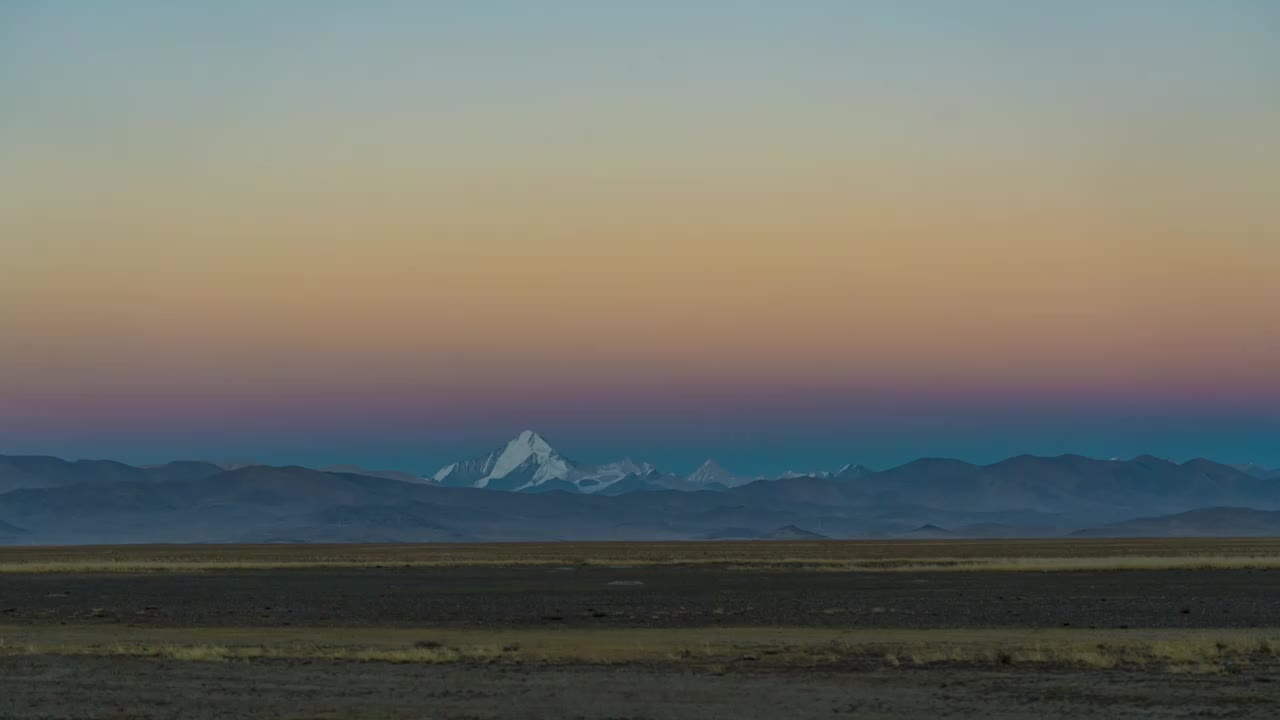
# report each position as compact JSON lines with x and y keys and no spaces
{"x":791,"y":532}
{"x":852,"y":472}
{"x":102,"y":501}
{"x":400,"y":475}
{"x":654,"y":481}
{"x":1259,"y":471}
{"x":1069,"y":483}
{"x":1205,"y":522}
{"x":712,"y":474}
{"x":10,"y":533}
{"x":929,"y":531}
{"x":37,"y":471}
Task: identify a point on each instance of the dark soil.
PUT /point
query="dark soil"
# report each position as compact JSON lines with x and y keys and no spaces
{"x":598,"y":597}
{"x":96,"y":687}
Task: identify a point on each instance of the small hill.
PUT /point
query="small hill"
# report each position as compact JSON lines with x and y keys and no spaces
{"x":930,"y":532}
{"x":182,"y":471}
{"x":791,"y":532}
{"x":1207,"y":522}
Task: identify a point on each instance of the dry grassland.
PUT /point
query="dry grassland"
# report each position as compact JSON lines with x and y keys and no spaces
{"x":713,"y":648}
{"x":859,"y":556}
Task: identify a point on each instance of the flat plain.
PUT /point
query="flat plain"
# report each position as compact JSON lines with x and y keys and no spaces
{"x":1063,"y":628}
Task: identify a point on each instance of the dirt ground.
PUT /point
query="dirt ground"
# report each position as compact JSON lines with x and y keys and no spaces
{"x":603,"y":597}
{"x":772,"y":552}
{"x":66,"y":634}
{"x":95,"y":687}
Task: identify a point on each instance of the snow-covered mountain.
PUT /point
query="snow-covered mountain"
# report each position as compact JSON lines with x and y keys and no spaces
{"x":529,"y":463}
{"x":594,"y":479}
{"x":851,"y":472}
{"x":654,"y":481}
{"x":712,"y":475}
{"x":524,"y":462}
{"x":1259,"y":471}
{"x":790,"y":474}
{"x":848,"y":472}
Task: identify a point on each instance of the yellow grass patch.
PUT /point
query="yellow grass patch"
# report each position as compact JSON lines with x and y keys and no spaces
{"x":1173,"y":650}
{"x":830,"y":556}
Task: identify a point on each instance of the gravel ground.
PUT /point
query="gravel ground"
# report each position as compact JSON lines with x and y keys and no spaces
{"x":42,"y":687}
{"x":46,"y":687}
{"x":648,"y":597}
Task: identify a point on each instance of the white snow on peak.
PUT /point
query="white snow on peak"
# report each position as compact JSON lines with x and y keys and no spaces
{"x":709,"y":472}
{"x":527,"y":445}
{"x":534,"y":462}
{"x":596,"y":478}
{"x":621,"y":469}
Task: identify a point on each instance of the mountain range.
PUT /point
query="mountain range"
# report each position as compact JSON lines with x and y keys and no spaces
{"x":524,"y":463}
{"x":1242,"y":522}
{"x":33,"y":471}
{"x":529,"y":464}
{"x":527,"y":490}
{"x":1259,"y":471}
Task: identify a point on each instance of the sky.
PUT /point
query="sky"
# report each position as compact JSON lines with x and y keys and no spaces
{"x":784,"y":235}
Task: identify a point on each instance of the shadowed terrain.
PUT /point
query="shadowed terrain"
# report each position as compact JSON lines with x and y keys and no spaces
{"x":643,"y":630}
{"x":60,"y":502}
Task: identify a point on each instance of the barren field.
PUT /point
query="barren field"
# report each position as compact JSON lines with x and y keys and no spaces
{"x":861,"y":555}
{"x":95,"y":687}
{"x":700,"y":630}
{"x":645,"y":596}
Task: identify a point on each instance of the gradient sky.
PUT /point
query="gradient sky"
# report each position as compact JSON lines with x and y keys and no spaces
{"x":787,"y":235}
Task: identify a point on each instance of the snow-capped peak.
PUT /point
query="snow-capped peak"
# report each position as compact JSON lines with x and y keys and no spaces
{"x":792,"y":474}
{"x":526,"y":445}
{"x":529,"y":462}
{"x":711,"y":473}
{"x":852,"y":471}
{"x":620,"y":469}
{"x":527,"y":452}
